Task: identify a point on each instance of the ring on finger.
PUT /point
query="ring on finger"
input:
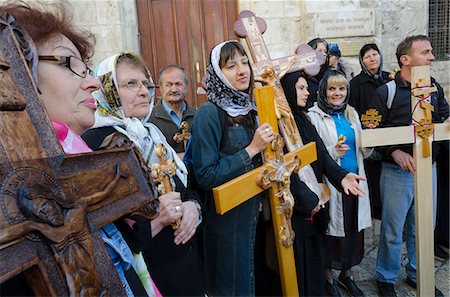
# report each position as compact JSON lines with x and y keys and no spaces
{"x":177,"y":209}
{"x":267,"y":130}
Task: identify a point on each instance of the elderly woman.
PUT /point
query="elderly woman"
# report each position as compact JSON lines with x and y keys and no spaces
{"x":125,"y":107}
{"x":66,"y":85}
{"x":338,"y":125}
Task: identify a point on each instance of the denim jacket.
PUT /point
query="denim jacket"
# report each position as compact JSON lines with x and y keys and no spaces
{"x":119,"y":252}
{"x":229,"y":239}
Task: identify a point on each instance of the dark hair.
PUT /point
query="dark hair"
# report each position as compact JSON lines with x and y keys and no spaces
{"x":314,"y":42}
{"x":172,"y":66}
{"x":405,"y":45}
{"x":227,"y":52}
{"x":44,"y":21}
{"x":135,"y":61}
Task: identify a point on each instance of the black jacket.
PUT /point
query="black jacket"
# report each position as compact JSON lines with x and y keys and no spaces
{"x":176,"y":269}
{"x":362,"y":90}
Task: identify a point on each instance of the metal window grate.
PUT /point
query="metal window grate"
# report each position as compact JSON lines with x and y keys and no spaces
{"x":439,"y":28}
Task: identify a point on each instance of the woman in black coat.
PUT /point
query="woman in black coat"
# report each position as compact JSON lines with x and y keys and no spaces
{"x":309,"y":220}
{"x":363,"y":88}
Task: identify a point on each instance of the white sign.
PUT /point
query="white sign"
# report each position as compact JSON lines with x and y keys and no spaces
{"x":345,"y":23}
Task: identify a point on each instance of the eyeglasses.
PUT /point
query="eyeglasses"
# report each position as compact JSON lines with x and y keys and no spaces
{"x":135,"y":85}
{"x":75,"y":64}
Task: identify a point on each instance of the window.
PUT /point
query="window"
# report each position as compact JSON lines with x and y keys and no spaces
{"x":439,"y":28}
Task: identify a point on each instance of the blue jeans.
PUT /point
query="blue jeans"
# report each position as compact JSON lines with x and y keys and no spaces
{"x":397,"y":201}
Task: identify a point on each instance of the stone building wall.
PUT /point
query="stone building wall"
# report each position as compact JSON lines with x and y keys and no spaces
{"x":289,"y":23}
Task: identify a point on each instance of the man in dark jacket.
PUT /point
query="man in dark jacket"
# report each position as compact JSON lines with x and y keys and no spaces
{"x":398,"y":167}
{"x":173,"y":109}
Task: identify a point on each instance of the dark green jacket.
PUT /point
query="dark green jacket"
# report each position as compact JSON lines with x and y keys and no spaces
{"x":162,"y":119}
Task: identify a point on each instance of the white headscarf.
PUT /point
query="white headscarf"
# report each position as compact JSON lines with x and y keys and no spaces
{"x":110,"y":113}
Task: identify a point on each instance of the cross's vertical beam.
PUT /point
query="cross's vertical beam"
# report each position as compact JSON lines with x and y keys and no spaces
{"x":265,"y":103}
{"x":423,"y":187}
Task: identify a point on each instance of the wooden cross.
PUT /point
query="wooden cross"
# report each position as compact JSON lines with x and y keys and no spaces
{"x":371,"y":119}
{"x":161,"y":173}
{"x":52,"y":205}
{"x":184,"y":135}
{"x":421,"y":134}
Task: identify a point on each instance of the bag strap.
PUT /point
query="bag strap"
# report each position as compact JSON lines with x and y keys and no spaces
{"x":391,"y":89}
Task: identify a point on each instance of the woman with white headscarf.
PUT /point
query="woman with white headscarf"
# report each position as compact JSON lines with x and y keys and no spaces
{"x":125,"y":107}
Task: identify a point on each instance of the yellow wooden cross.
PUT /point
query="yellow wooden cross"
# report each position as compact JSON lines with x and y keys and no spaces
{"x":371,"y":119}
{"x":161,"y":173}
{"x":239,"y":190}
{"x":423,"y":205}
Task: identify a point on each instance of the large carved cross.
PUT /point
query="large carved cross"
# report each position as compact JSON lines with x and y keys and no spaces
{"x":52,"y":205}
{"x":274,"y":109}
{"x":421,"y":134}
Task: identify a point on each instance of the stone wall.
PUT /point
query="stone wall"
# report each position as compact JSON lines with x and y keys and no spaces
{"x":289,"y":23}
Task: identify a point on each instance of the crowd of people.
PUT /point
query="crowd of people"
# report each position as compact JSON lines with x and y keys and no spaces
{"x":226,"y":255}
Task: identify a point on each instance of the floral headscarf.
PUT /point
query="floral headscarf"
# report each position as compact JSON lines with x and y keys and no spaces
{"x":110,"y":113}
{"x":221,"y":92}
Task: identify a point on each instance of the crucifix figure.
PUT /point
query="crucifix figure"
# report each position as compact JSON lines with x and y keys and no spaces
{"x":420,"y":134}
{"x":51,"y":204}
{"x":251,"y":28}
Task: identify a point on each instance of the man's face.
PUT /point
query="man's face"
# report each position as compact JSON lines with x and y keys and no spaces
{"x":420,"y":54}
{"x":173,"y":86}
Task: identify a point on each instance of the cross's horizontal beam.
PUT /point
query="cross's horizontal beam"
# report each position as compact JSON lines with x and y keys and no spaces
{"x":387,"y":136}
{"x":239,"y":190}
{"x":441,"y":131}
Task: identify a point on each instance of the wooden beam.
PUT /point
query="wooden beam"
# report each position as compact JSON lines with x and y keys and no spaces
{"x":387,"y":136}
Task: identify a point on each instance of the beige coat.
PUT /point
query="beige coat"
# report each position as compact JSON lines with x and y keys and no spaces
{"x":326,"y":128}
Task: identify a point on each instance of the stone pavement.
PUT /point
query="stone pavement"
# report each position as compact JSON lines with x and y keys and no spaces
{"x":364,"y":273}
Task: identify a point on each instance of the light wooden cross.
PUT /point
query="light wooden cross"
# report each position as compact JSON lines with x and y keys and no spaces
{"x":184,"y":135}
{"x":421,"y":134}
{"x":52,"y":205}
{"x":161,"y":173}
{"x":274,"y":109}
{"x":251,"y":28}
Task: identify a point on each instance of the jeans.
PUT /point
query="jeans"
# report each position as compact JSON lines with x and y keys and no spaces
{"x":397,"y":200}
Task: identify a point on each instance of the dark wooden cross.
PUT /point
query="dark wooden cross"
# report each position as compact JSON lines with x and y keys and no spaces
{"x":420,"y":134}
{"x":273,"y":109}
{"x":52,"y":205}
{"x":184,"y":135}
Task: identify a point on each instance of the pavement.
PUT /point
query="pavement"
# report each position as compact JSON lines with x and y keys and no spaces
{"x":364,"y":273}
